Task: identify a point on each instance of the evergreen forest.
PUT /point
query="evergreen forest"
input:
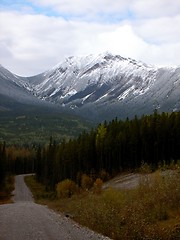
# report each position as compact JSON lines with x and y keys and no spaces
{"x":111,"y":147}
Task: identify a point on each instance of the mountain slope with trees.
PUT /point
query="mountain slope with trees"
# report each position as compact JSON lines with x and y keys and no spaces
{"x":112,"y":147}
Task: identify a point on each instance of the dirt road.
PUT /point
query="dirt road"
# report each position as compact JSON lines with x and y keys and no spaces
{"x":25,"y":220}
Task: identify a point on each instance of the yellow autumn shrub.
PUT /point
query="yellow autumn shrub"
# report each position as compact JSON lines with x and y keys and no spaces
{"x":66,"y":188}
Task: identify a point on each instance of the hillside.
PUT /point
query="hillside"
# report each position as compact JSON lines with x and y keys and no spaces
{"x":26,"y":119}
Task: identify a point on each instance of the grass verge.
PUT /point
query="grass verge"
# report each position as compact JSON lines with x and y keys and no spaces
{"x":6,"y":190}
{"x":151,"y":211}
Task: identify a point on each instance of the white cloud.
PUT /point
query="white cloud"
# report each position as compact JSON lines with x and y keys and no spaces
{"x":159,"y":30}
{"x":32,"y":43}
{"x":139,"y":8}
{"x":122,"y":40}
{"x":155,"y":8}
{"x":84,"y":7}
{"x":43,"y":41}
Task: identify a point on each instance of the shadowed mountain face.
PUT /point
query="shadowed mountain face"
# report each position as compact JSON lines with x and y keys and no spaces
{"x":98,"y":87}
{"x":24,"y":118}
{"x":16,"y":97}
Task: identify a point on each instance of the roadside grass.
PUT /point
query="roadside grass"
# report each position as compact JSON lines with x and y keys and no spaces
{"x":38,"y":190}
{"x":6,"y":190}
{"x":150,"y":211}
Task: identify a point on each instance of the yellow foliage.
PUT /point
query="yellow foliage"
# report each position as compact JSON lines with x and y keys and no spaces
{"x":98,"y":186}
{"x":66,"y":188}
{"x":86,"y":182}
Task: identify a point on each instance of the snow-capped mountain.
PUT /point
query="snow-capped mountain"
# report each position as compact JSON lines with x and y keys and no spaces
{"x":105,"y":86}
{"x":16,"y":96}
{"x":102,"y":75}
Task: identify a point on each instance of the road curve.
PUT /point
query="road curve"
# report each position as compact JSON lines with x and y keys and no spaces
{"x":26,"y":220}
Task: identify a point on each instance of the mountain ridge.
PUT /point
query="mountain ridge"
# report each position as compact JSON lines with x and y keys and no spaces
{"x":104,"y":86}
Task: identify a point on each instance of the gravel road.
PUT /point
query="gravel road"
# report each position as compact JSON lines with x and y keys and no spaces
{"x":26,"y":220}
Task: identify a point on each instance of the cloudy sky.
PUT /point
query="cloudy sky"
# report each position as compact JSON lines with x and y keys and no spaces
{"x":35,"y":35}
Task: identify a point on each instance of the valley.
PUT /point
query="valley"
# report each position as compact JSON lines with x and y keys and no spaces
{"x":37,"y":129}
{"x":89,"y":120}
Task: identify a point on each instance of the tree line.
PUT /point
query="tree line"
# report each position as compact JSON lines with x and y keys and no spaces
{"x":111,"y":147}
{"x":16,"y":160}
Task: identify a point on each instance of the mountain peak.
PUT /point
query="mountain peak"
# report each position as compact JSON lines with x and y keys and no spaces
{"x":105,"y":86}
{"x":90,"y":58}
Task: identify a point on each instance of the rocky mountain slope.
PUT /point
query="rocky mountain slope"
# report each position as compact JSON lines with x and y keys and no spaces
{"x":106,"y":86}
{"x":17,"y":98}
{"x":24,"y":118}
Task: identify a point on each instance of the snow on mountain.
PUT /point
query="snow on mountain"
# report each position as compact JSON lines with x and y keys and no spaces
{"x":16,"y":95}
{"x":104,"y":73}
{"x":109,"y":85}
{"x":12,"y":78}
{"x":13,"y":86}
{"x":105,"y":86}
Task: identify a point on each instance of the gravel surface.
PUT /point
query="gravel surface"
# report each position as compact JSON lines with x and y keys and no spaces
{"x":21,"y":192}
{"x":132,"y":180}
{"x":25,"y":220}
{"x":127,"y":181}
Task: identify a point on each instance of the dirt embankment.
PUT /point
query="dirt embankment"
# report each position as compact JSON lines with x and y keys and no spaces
{"x":125,"y":181}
